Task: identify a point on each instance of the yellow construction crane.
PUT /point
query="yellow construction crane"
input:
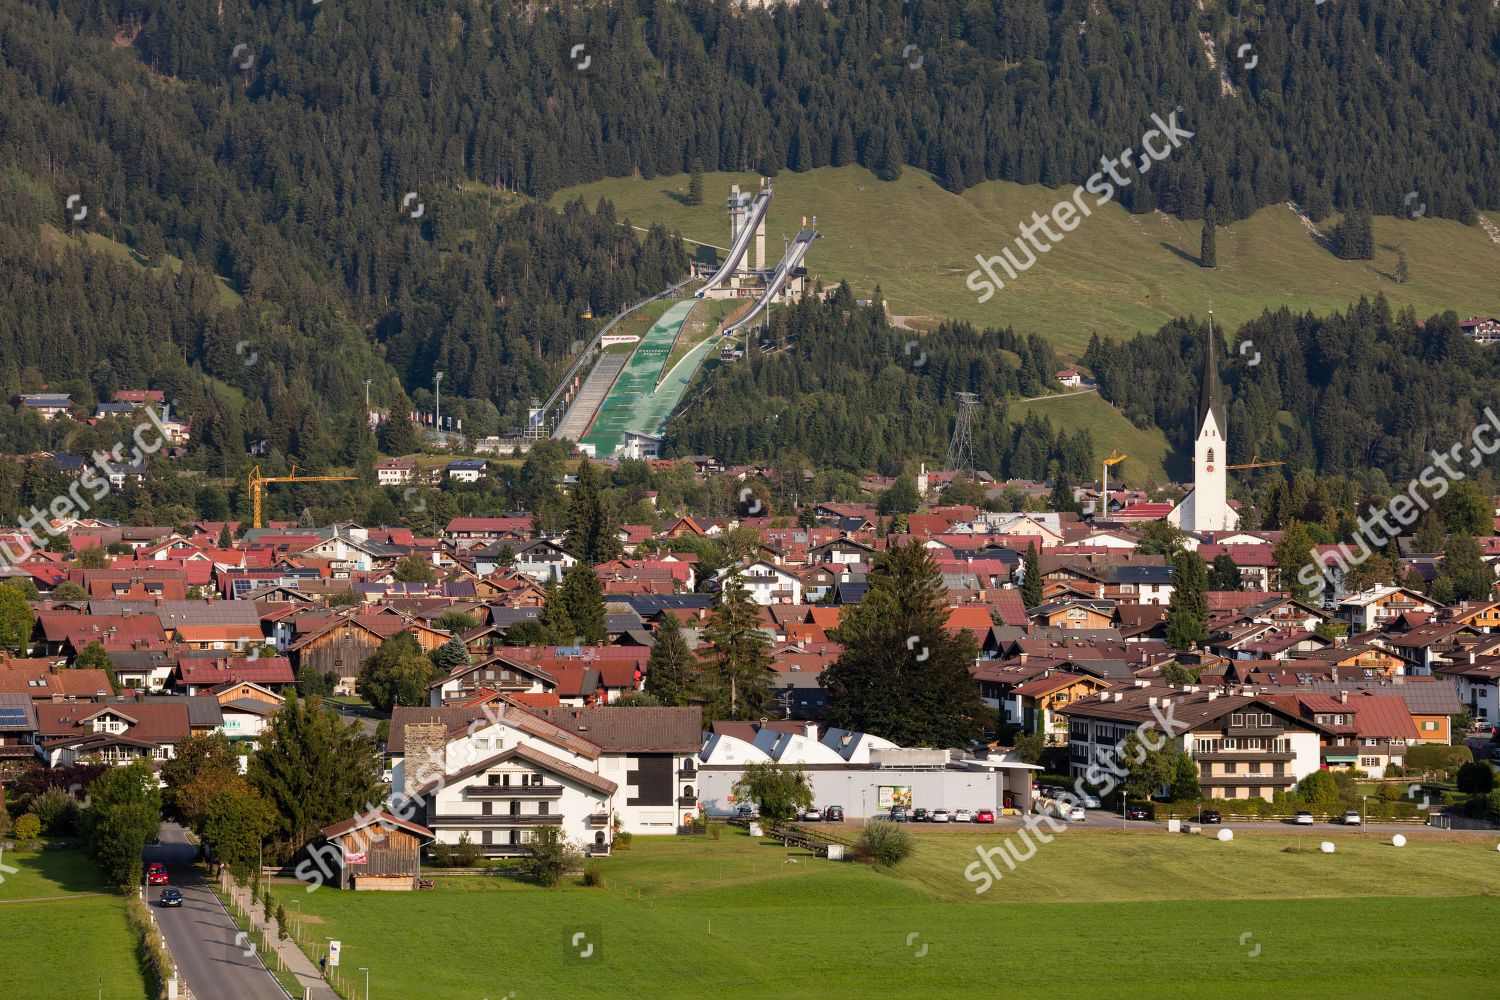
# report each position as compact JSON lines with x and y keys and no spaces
{"x":1115,"y":458}
{"x":257,"y":483}
{"x":1254,"y":463}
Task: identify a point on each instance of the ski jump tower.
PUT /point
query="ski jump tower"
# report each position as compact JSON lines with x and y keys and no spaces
{"x":740,"y":217}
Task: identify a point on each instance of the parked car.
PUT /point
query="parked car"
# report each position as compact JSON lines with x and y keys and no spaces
{"x":985,"y":816}
{"x":834,"y":814}
{"x":746,"y":812}
{"x":813,"y":815}
{"x":1053,"y":791}
{"x":1091,"y":801}
{"x":940,"y":816}
{"x":170,"y":897}
{"x":1077,"y":815}
{"x":1210,"y":816}
{"x":1303,"y":818}
{"x":1137,"y":812}
{"x":1353,"y":818}
{"x":921,"y":816}
{"x":963,"y":816}
{"x":898,"y":814}
{"x":156,"y":874}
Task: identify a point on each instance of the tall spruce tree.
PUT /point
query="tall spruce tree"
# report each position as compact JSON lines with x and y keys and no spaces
{"x":1031,"y":578}
{"x":1208,"y":254}
{"x":737,"y":680}
{"x":592,"y":523}
{"x":555,"y":626}
{"x":1187,"y":614}
{"x":902,"y":674}
{"x":583,"y":596}
{"x":671,"y":669}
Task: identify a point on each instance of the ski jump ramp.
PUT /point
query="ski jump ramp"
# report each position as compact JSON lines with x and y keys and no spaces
{"x":758,"y":208}
{"x":789,"y":263}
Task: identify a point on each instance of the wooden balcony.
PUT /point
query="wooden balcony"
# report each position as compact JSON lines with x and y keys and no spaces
{"x":1230,"y":780}
{"x":499,"y":820}
{"x":687,"y":800}
{"x":514,"y":791}
{"x":598,"y":819}
{"x":1249,"y":756}
{"x":1252,"y":732}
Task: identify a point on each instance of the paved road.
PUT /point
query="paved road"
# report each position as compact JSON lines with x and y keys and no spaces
{"x":199,"y":932}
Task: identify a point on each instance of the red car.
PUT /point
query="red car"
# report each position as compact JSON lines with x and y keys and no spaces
{"x":985,"y":816}
{"x":156,"y":874}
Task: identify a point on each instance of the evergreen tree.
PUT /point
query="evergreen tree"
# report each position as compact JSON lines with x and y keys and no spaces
{"x":671,"y":670}
{"x":582,"y":596}
{"x":1401,"y":272}
{"x":737,"y":680}
{"x":695,"y":185}
{"x":1208,"y":254}
{"x":902,"y":674}
{"x":555,"y":625}
{"x":592,"y":524}
{"x":1225,"y":575}
{"x":1031,"y":578}
{"x":1062,"y":498}
{"x":1354,"y":236}
{"x":398,"y":433}
{"x":1187,"y":614}
{"x":314,"y":770}
{"x":450,"y":654}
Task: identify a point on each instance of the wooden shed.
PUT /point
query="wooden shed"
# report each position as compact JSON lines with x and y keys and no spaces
{"x":376,"y":851}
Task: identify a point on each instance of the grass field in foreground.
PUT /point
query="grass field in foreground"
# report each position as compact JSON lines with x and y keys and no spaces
{"x":61,"y":948}
{"x":1093,"y":915}
{"x":1116,"y":273}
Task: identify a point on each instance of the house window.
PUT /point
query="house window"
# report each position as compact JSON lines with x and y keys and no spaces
{"x":1369,"y":761}
{"x":1237,"y":719}
{"x":487,"y":809}
{"x":481,"y":744}
{"x":515,"y":808}
{"x":1210,"y":455}
{"x":488,"y":838}
{"x":515,"y":837}
{"x":1265,"y":720}
{"x":541,"y":808}
{"x":1429,"y":725}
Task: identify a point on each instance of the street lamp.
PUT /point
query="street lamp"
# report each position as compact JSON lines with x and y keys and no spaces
{"x":437,"y":417}
{"x":367,"y":981}
{"x":298,"y":904}
{"x":367,"y":399}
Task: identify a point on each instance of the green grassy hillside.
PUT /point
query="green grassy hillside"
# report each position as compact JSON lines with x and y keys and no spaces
{"x":1148,"y":460}
{"x":1116,"y":273}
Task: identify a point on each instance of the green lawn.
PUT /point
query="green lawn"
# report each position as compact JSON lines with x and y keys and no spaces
{"x":61,"y":948}
{"x":1102,"y":915}
{"x":1116,"y":273}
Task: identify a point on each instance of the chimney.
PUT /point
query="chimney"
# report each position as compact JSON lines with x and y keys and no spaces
{"x":1119,"y":696}
{"x":1151,"y":701}
{"x":1104,"y":696}
{"x":426,"y":754}
{"x":1343,"y":697}
{"x":811,"y":731}
{"x":1212,"y":695}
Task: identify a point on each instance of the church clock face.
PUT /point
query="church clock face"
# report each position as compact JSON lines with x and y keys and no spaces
{"x":1210,"y":468}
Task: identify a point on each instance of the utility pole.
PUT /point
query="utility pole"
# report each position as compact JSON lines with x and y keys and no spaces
{"x":437,"y":417}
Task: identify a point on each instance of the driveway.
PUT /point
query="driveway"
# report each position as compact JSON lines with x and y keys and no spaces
{"x":200,"y":933}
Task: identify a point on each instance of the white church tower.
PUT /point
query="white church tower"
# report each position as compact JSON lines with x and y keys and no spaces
{"x":1207,"y":507}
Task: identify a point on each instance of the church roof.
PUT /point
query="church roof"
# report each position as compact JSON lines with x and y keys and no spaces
{"x":1210,"y":396}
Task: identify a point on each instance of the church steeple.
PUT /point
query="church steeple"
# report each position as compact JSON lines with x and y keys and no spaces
{"x":1210,"y":398}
